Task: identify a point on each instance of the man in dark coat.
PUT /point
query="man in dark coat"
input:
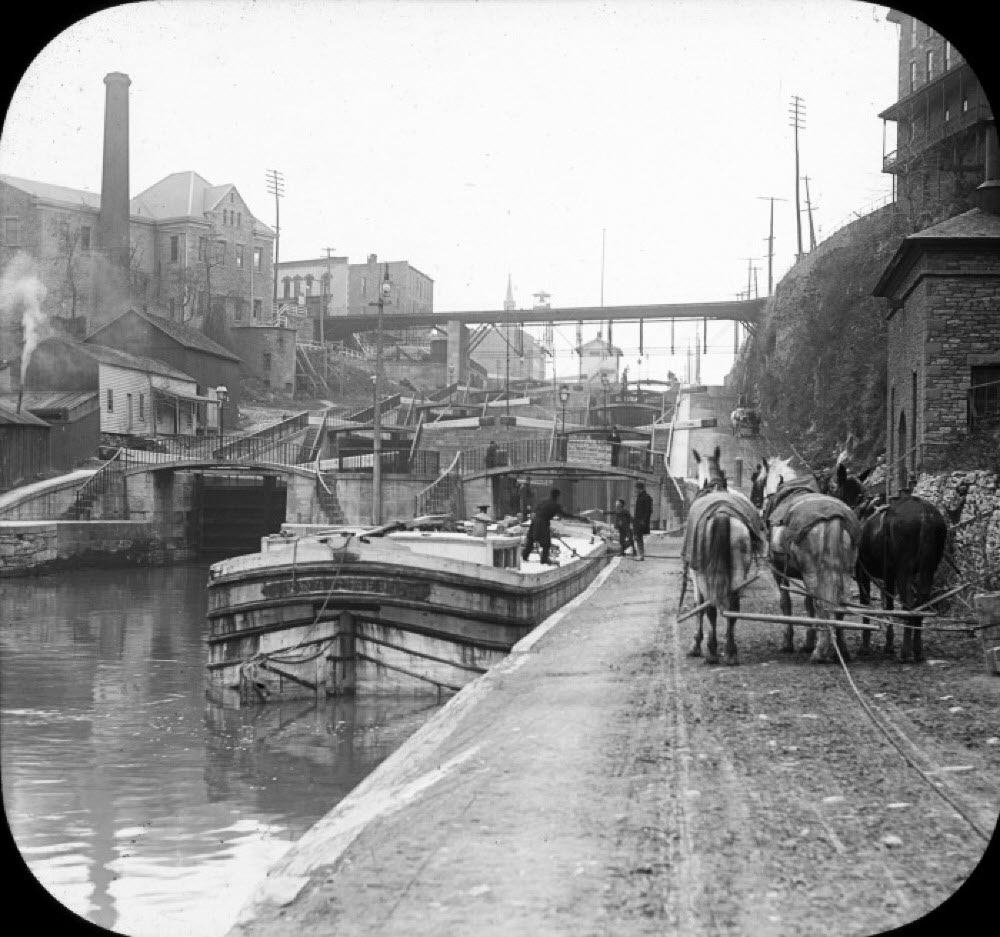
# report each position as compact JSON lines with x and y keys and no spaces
{"x":623,"y":524}
{"x":641,"y":517}
{"x":616,"y":443}
{"x":524,"y":498}
{"x":540,"y":530}
{"x":491,"y":454}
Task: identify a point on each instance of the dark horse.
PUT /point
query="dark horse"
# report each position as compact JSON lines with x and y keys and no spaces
{"x":901,"y":545}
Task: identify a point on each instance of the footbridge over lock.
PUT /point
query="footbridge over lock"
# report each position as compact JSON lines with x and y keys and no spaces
{"x":591,"y":473}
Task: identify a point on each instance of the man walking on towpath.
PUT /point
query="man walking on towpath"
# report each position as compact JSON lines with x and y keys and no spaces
{"x":540,"y":530}
{"x":641,"y":517}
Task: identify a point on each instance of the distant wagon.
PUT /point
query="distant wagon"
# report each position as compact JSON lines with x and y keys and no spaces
{"x":746,"y":422}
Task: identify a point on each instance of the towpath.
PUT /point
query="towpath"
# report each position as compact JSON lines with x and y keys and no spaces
{"x":599,"y":781}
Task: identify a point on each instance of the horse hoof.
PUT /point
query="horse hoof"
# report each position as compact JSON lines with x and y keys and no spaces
{"x":787,"y":649}
{"x":807,"y":648}
{"x":711,"y":660}
{"x":817,"y":659}
{"x":694,"y":652}
{"x":731,"y":661}
{"x":863,"y":652}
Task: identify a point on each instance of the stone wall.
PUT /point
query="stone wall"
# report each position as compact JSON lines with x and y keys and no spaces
{"x":970,"y":502}
{"x":34,"y":547}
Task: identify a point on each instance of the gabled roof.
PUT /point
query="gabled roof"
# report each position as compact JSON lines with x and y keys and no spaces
{"x":64,"y":195}
{"x":48,"y":400}
{"x":182,"y":334}
{"x":188,"y":195}
{"x":122,"y":359}
{"x":10,"y":416}
{"x":972,"y":229}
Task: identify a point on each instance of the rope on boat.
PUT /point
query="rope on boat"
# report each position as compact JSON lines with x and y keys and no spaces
{"x":249,"y":669}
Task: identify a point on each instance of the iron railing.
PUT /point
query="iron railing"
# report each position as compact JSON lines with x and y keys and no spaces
{"x":517,"y":453}
{"x":106,"y":485}
{"x":445,"y":495}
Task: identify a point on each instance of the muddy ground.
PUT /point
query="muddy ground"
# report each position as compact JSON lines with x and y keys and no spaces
{"x":606,"y":783}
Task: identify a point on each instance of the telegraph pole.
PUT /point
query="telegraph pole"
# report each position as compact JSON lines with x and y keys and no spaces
{"x":276,"y":186}
{"x":770,"y":241}
{"x":383,"y":300}
{"x":798,"y":116}
{"x":809,"y":209}
{"x":323,"y":313}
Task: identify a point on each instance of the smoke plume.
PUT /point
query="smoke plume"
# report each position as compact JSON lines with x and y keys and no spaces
{"x":21,"y":296}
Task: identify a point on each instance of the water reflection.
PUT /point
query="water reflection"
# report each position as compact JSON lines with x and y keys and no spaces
{"x":137,"y":803}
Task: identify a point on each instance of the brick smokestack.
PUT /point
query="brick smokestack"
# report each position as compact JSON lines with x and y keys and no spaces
{"x":988,"y":194}
{"x":113,"y":221}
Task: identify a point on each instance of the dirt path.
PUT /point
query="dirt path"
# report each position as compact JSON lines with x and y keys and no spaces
{"x":605,"y":783}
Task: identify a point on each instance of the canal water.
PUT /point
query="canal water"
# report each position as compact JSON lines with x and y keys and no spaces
{"x":133,"y":800}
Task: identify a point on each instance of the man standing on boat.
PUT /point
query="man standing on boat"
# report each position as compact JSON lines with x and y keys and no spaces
{"x":614,"y":437}
{"x":641,"y":517}
{"x":524,"y":498}
{"x":540,"y":530}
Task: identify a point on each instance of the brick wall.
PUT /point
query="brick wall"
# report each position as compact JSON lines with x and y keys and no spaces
{"x":950,"y":320}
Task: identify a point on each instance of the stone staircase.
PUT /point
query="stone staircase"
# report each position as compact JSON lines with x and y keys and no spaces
{"x":326,"y":491}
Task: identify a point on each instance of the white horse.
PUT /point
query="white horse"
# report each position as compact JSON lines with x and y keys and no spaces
{"x":813,"y":538}
{"x":722,"y":532}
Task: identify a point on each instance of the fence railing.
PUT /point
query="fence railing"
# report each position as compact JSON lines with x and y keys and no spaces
{"x":517,"y":453}
{"x":445,"y":495}
{"x":252,"y":442}
{"x":107,"y":484}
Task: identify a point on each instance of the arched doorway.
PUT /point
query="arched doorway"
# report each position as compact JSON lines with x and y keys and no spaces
{"x":902,"y":456}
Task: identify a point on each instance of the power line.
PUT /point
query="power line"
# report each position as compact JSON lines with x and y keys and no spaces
{"x":798,"y":116}
{"x":276,"y":186}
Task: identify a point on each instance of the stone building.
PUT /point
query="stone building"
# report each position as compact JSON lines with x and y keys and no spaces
{"x":183,"y":248}
{"x":941,"y":118}
{"x":268,"y":354}
{"x":943,"y":288}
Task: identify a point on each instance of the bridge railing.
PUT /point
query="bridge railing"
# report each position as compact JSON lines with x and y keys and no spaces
{"x":518,"y":453}
{"x":445,"y":495}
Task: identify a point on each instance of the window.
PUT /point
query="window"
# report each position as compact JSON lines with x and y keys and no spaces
{"x":202,"y":248}
{"x":238,"y":310}
{"x":220,"y":252}
{"x":174,"y":248}
{"x":173,"y":308}
{"x":201,"y":302}
{"x":12,"y":231}
{"x":85,"y":238}
{"x":258,"y":257}
{"x":281,"y":343}
{"x":984,"y":396}
{"x":142,"y":407}
{"x":965,"y":105}
{"x":225,"y":216}
{"x":111,"y":401}
{"x":232,"y":197}
{"x":930,"y":64}
{"x":947,"y":55}
{"x":239,"y":256}
{"x":913,"y":75}
{"x":267,"y":361}
{"x":947,"y":114}
{"x":297,"y":281}
{"x":239,"y":218}
{"x":913,"y":32}
{"x":257,"y":308}
{"x":287,"y":286}
{"x":187,"y":419}
{"x":309,"y":284}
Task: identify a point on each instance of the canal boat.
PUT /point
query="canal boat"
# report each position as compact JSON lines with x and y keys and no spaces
{"x":335,"y":611}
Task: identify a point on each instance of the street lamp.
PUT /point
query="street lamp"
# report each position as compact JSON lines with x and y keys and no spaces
{"x":222,"y":392}
{"x":385,"y":290}
{"x":563,"y":398}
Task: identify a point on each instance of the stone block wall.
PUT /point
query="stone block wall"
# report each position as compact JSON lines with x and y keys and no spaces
{"x":970,"y":503}
{"x":35,"y":547}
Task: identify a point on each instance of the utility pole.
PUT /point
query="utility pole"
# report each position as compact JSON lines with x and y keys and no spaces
{"x":798,"y":116}
{"x":383,"y":300}
{"x":323,"y":313}
{"x":276,"y":186}
{"x":756,"y":292}
{"x":809,"y":209}
{"x":770,"y":241}
{"x":603,"y":232}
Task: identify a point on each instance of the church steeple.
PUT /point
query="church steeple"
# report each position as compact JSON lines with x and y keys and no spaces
{"x":508,"y":303}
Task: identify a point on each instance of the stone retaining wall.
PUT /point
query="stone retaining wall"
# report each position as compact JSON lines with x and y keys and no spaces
{"x":970,"y":502}
{"x":32,"y":547}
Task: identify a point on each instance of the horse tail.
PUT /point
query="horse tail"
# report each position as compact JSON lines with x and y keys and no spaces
{"x":930,"y":550}
{"x":718,"y":570}
{"x":835,"y":555}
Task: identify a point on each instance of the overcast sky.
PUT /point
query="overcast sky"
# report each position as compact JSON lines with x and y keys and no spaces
{"x":480,"y":139}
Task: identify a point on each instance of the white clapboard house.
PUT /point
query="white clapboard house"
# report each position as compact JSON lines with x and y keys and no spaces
{"x":138,"y":396}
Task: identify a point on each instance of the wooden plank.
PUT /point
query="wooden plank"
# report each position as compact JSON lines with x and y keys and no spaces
{"x":800,"y":621}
